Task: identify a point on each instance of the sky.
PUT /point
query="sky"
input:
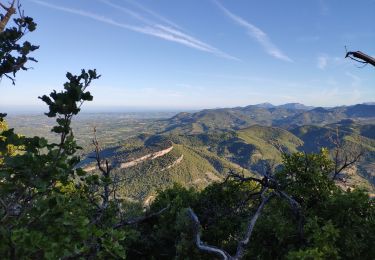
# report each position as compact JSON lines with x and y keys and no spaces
{"x":193,"y":54}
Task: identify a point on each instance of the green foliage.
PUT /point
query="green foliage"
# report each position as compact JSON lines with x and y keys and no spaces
{"x":42,"y":209}
{"x":242,"y":117}
{"x":307,"y":177}
{"x":52,"y":209}
{"x":13,"y":54}
{"x":336,"y":224}
{"x":199,"y":159}
{"x":3,"y":123}
{"x":49,"y":208}
{"x":8,"y":149}
{"x":159,"y":237}
{"x":268,"y":143}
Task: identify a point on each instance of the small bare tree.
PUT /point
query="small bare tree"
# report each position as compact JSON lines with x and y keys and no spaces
{"x":107,"y":190}
{"x":344,"y":157}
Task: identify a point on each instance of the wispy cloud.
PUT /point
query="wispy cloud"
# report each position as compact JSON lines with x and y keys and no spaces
{"x":172,"y":31}
{"x":322,"y":62}
{"x":148,"y":28}
{"x":260,"y":36}
{"x":154,"y":14}
{"x":127,"y":11}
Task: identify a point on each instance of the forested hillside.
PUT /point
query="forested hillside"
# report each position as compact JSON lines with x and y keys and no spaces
{"x":217,"y":146}
{"x":251,"y":150}
{"x":255,"y":182}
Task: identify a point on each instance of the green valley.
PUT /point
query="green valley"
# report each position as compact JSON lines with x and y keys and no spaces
{"x":194,"y":153}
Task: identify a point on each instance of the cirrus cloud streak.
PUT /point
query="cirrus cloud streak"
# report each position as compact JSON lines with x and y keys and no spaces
{"x":260,"y":36}
{"x":159,"y":31}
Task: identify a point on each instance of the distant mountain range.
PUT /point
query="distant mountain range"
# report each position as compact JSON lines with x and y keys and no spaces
{"x":286,"y":116}
{"x":194,"y":149}
{"x":286,"y":106}
{"x":198,"y":148}
{"x":298,"y":105}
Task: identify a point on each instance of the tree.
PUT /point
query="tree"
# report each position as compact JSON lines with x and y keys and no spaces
{"x":47,"y":205}
{"x":38,"y":180}
{"x":334,"y":223}
{"x":309,"y":183}
{"x":13,"y":54}
{"x":51,"y":209}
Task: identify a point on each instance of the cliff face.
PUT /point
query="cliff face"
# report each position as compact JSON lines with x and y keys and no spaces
{"x":179,"y":160}
{"x":150,"y":156}
{"x":124,"y":165}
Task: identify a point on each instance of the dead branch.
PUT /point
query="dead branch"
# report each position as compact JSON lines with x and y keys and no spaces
{"x":11,"y":10}
{"x":241,"y":244}
{"x":346,"y":163}
{"x":206,"y":248}
{"x":343,"y":159}
{"x":250,"y":227}
{"x":106,"y":172}
{"x":267,"y":182}
{"x":360,"y":57}
{"x":105,"y":168}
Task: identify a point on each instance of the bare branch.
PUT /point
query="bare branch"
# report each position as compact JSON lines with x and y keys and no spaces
{"x":250,"y":227}
{"x":267,"y":181}
{"x":11,"y":10}
{"x":347,"y":163}
{"x":360,"y":57}
{"x":106,"y":172}
{"x":343,"y":158}
{"x":206,"y":248}
{"x":4,"y":7}
{"x":241,"y":244}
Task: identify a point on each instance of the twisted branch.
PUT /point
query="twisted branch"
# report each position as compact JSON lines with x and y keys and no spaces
{"x":11,"y":10}
{"x":360,"y":57}
{"x":241,"y":244}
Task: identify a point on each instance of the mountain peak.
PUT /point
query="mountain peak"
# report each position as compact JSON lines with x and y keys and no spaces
{"x":265,"y":105}
{"x":296,"y":106}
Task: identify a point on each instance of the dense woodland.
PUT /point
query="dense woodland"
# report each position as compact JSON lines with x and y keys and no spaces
{"x":52,"y":209}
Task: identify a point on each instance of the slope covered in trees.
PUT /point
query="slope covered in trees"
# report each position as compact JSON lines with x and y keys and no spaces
{"x":50,"y":208}
{"x":280,"y":116}
{"x":251,"y":150}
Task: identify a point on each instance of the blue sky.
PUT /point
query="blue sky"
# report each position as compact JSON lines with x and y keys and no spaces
{"x":191,"y":54}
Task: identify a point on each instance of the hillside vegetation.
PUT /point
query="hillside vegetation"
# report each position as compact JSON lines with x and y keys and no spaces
{"x":203,"y":158}
{"x":204,"y":186}
{"x":283,"y":116}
